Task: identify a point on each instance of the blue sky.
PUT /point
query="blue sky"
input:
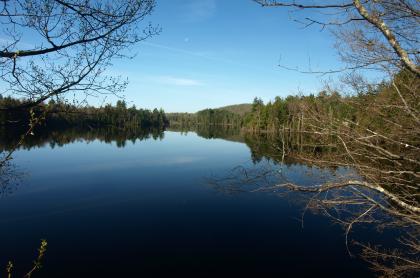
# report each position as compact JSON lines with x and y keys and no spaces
{"x":212,"y":53}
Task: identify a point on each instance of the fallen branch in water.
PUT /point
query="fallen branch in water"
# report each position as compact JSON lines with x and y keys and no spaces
{"x":329,"y":186}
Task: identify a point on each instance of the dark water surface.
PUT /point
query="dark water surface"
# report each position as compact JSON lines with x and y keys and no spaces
{"x":145,"y":209}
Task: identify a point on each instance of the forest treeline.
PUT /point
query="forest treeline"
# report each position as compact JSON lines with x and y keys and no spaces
{"x":297,"y":113}
{"x":60,"y":114}
{"x":206,"y":117}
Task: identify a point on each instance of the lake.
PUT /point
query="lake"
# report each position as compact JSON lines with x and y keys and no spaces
{"x":112,"y":206}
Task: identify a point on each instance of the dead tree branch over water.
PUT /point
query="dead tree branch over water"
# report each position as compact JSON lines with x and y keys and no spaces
{"x":348,"y":202}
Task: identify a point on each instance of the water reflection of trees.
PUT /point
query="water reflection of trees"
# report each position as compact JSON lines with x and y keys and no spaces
{"x":60,"y":137}
{"x":338,"y":191}
{"x":230,"y":133}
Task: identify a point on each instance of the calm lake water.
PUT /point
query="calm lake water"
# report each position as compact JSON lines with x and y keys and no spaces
{"x":112,"y":207}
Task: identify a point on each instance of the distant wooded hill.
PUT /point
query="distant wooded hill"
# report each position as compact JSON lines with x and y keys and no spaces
{"x":226,"y":115}
{"x":240,"y":109}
